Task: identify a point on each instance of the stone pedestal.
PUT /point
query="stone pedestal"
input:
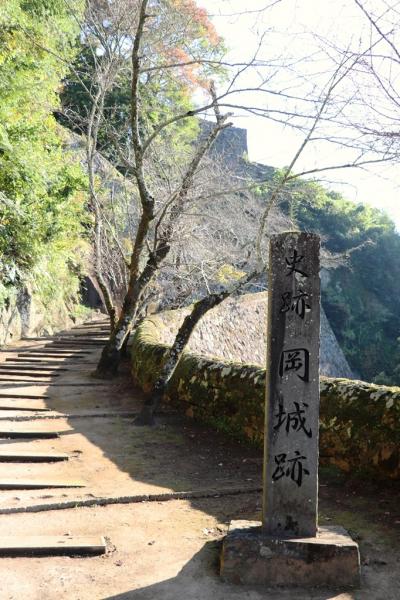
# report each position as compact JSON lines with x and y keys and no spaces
{"x":251,"y":557}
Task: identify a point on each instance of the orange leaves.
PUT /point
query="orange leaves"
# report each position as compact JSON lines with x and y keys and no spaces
{"x":191,"y":43}
{"x":189,"y":72}
{"x":198,"y":16}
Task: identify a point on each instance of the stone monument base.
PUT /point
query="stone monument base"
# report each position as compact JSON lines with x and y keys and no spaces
{"x":251,"y":557}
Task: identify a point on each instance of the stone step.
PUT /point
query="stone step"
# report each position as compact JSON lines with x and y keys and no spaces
{"x":33,"y":374}
{"x":23,"y":407}
{"x":80,"y":335}
{"x":29,"y":433}
{"x":49,"y":363}
{"x":52,"y":354}
{"x":73,"y":343}
{"x":27,"y":367}
{"x":51,"y":545}
{"x":37,"y":484}
{"x":68,"y":337}
{"x":13,"y":456}
{"x":24,"y":396}
{"x":47,"y":347}
{"x":84,"y":342}
{"x":90,"y":331}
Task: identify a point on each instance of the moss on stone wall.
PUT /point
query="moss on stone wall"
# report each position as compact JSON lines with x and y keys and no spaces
{"x":359,"y":422}
{"x":360,"y":426}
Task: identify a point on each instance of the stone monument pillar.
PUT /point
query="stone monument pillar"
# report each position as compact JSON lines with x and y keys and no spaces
{"x":292,"y":387}
{"x":287,"y":548}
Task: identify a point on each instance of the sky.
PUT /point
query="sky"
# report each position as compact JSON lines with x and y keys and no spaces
{"x":272,"y":143}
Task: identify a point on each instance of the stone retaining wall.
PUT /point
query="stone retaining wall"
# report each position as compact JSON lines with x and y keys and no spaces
{"x":236,"y":330}
{"x":359,"y":422}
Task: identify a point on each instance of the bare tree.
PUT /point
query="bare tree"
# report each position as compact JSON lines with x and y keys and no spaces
{"x":377,"y":79}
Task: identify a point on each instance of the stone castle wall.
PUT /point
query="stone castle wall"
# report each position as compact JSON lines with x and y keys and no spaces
{"x":236,"y":330}
{"x":359,"y":422}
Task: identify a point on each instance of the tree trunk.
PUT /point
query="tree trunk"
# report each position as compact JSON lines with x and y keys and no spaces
{"x":107,"y":301}
{"x":111,"y":355}
{"x":104,"y":288}
{"x":124,"y":349}
{"x":199,"y":309}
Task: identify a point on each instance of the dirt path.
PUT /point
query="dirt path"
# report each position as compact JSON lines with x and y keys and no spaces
{"x":158,"y":546}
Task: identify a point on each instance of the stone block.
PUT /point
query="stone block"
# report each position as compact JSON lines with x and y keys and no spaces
{"x":251,"y":557}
